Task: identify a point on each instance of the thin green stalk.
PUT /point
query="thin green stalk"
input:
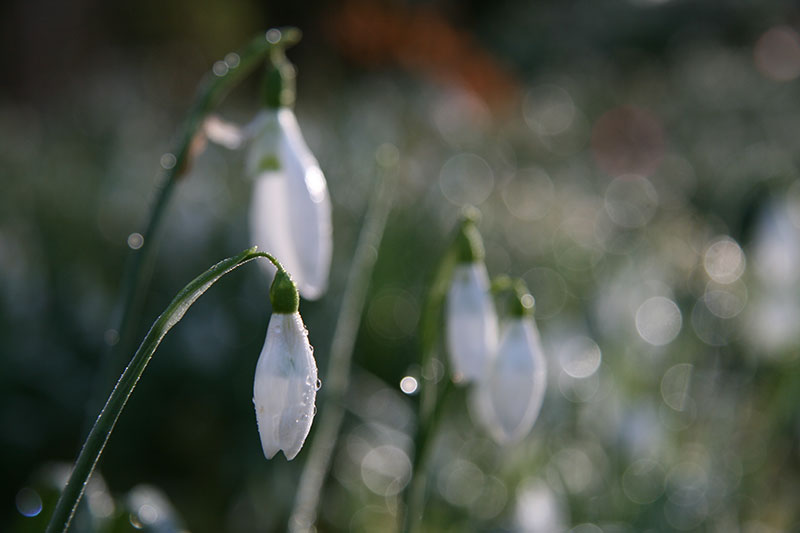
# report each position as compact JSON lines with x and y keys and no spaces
{"x":431,"y":394}
{"x":304,"y":512}
{"x":415,"y":490}
{"x":138,"y":270}
{"x":104,"y":425}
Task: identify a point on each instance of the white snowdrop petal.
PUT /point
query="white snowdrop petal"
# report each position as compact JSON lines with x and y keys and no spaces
{"x":515,"y":384}
{"x":224,"y":133}
{"x":291,"y":207}
{"x":471,"y":322}
{"x":284,"y":391}
{"x":310,"y":207}
{"x":479,"y":404}
{"x":263,"y":152}
{"x":269,"y":222}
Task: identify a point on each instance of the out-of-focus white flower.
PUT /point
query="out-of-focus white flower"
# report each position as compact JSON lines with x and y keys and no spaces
{"x":285,"y":387}
{"x":510,"y":395}
{"x":290,"y":212}
{"x":538,"y":508}
{"x":471,"y":322}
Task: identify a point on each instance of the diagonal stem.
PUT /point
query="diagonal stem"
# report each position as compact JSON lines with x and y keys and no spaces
{"x":104,"y":425}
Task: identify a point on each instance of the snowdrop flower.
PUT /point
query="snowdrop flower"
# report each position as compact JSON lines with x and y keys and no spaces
{"x":470,"y":319}
{"x":286,"y":384}
{"x":290,"y":212}
{"x":510,"y":395}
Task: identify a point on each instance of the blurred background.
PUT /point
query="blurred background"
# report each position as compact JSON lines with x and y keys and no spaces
{"x":635,"y":161}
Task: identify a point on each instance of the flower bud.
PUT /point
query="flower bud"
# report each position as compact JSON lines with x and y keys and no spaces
{"x":285,"y":387}
{"x":290,"y":211}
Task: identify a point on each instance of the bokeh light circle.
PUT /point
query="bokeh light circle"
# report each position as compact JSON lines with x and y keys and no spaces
{"x":385,"y":470}
{"x":658,"y":320}
{"x":631,"y":201}
{"x":548,"y":109}
{"x":628,"y":140}
{"x":580,"y":357}
{"x":643,"y":481}
{"x":466,"y":179}
{"x":777,"y":54}
{"x":529,"y":194}
{"x":724,"y":260}
{"x":28,"y":502}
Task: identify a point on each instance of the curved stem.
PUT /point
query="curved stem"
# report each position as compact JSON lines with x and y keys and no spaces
{"x":138,"y":269}
{"x":304,"y":512}
{"x":104,"y":425}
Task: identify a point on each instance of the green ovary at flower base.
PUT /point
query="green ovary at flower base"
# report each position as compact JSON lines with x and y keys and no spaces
{"x":290,"y":210}
{"x":285,"y":386}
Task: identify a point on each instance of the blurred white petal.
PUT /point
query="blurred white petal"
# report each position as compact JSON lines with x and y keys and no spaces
{"x":285,"y":387}
{"x":471,"y":322}
{"x":513,"y":389}
{"x":290,"y":214}
{"x":777,"y":247}
{"x":224,"y":133}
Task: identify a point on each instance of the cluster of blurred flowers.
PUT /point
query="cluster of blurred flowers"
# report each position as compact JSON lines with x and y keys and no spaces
{"x":508,"y":372}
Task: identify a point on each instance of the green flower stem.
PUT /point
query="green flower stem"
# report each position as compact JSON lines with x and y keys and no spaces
{"x":414,"y":496}
{"x":104,"y":425}
{"x":139,"y":268}
{"x":434,"y":387}
{"x":312,"y":479}
{"x":522,"y":303}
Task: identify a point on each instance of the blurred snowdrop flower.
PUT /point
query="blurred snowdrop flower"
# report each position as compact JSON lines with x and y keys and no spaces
{"x":286,"y":384}
{"x":471,"y":319}
{"x":290,"y":212}
{"x":510,"y":395}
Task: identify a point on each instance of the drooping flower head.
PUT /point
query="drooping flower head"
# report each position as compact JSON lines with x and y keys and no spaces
{"x":290,"y":212}
{"x":285,"y":386}
{"x":471,"y":319}
{"x":510,"y":395}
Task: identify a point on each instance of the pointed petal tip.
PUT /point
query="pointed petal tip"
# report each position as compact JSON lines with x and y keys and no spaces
{"x":270,"y":451}
{"x":291,"y":454}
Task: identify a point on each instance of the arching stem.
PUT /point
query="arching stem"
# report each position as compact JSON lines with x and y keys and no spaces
{"x":104,"y":425}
